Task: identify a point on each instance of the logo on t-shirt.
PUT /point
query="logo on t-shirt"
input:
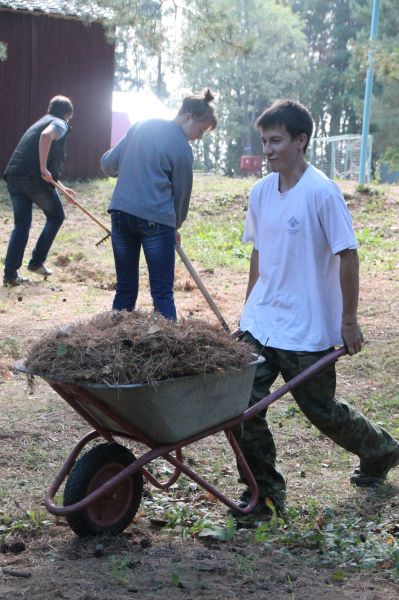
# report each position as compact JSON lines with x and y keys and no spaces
{"x":293,"y":223}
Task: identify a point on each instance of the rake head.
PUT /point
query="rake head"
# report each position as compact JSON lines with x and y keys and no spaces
{"x":104,"y":239}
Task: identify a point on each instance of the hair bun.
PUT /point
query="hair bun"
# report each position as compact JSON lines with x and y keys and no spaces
{"x":208,"y":96}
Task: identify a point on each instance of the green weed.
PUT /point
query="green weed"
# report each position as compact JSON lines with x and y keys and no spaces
{"x":120,"y":568}
{"x":216,"y":243}
{"x":31,"y":520}
{"x":222,"y":533}
{"x":175,"y":579}
{"x":244,"y":566}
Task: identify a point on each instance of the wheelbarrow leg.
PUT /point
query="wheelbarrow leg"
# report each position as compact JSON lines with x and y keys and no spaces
{"x":253,"y":486}
{"x":166,"y":484}
{"x":212,"y":489}
{"x":67,"y":467}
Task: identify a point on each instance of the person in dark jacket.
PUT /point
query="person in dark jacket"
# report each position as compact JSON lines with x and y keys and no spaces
{"x":154,"y":166}
{"x":35,"y":163}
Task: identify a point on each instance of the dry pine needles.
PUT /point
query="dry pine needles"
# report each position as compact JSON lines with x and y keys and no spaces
{"x":124,"y":348}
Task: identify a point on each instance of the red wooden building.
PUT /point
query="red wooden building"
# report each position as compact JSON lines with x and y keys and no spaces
{"x":49,"y":53}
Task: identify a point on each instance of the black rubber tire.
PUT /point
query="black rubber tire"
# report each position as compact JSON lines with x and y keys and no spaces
{"x":112,"y":513}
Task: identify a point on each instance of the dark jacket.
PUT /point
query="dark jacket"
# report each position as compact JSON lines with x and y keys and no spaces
{"x":25,"y":162}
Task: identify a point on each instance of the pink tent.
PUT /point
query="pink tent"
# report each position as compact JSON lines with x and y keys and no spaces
{"x":120,"y":125}
{"x":130,"y":107}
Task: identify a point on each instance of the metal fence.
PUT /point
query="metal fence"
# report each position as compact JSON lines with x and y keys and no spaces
{"x":339,"y":156}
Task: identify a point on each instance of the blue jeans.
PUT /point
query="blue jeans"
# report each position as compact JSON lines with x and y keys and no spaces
{"x":24,"y":193}
{"x":129,"y":233}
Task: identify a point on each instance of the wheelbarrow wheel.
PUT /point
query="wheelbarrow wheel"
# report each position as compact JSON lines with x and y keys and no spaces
{"x":114,"y":511}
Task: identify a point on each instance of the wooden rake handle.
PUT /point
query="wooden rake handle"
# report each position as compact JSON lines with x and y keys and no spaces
{"x":201,"y":286}
{"x":61,"y":188}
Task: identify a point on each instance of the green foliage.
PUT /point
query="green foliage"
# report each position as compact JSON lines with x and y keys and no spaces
{"x":175,"y":579}
{"x":376,"y":248}
{"x":363,"y":188}
{"x":32,"y":520}
{"x":385,"y":111}
{"x":147,"y":40}
{"x":217,"y":243}
{"x":329,"y":29}
{"x":120,"y":568}
{"x":339,"y":541}
{"x":221,"y":533}
{"x":176,"y":516}
{"x":338,"y":34}
{"x":292,"y":410}
{"x":391,"y":157}
{"x":190,"y":524}
{"x":245,"y":75}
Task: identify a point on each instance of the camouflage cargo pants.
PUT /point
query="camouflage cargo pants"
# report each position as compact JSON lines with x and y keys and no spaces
{"x":316,"y":398}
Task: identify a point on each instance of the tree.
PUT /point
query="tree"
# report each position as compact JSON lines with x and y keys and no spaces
{"x":146,"y":39}
{"x":329,"y":28}
{"x":338,"y":35}
{"x":260,"y":63}
{"x":384,"y":123}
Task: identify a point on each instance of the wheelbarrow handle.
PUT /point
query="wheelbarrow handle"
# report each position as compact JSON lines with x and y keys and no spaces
{"x":326,"y":360}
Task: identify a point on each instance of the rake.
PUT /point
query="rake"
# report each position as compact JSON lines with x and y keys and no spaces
{"x":60,"y":187}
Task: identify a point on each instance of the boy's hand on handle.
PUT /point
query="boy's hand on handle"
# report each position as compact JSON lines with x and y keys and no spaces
{"x":69,"y":193}
{"x":46,"y":175}
{"x":352,"y":336}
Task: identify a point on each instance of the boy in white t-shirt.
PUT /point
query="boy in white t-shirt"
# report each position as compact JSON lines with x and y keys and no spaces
{"x":301,"y":301}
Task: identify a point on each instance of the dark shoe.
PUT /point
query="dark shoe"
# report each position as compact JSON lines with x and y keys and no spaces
{"x":42,"y":270}
{"x":15,"y":281}
{"x":244,"y":499}
{"x":242,"y":502}
{"x":262,"y":513}
{"x":366,"y":476}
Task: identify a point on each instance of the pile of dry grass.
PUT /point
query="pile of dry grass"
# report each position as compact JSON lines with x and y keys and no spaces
{"x":124,"y":348}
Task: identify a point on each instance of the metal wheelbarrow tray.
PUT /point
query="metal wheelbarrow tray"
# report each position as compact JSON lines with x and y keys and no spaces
{"x":104,"y":487}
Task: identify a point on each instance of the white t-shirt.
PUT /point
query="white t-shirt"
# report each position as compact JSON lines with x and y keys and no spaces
{"x":296,"y":304}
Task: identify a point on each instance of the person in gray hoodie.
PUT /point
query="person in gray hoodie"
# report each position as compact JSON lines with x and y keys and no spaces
{"x":154,"y":167}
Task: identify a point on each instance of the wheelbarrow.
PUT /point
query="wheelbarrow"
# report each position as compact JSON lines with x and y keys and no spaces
{"x":104,"y":487}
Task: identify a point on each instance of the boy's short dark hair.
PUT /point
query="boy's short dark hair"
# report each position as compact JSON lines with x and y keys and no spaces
{"x":295,"y":118}
{"x":60,"y":106}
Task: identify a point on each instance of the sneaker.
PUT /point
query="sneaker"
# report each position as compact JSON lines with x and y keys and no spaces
{"x":369,"y":476}
{"x":42,"y":270}
{"x":14,"y":281}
